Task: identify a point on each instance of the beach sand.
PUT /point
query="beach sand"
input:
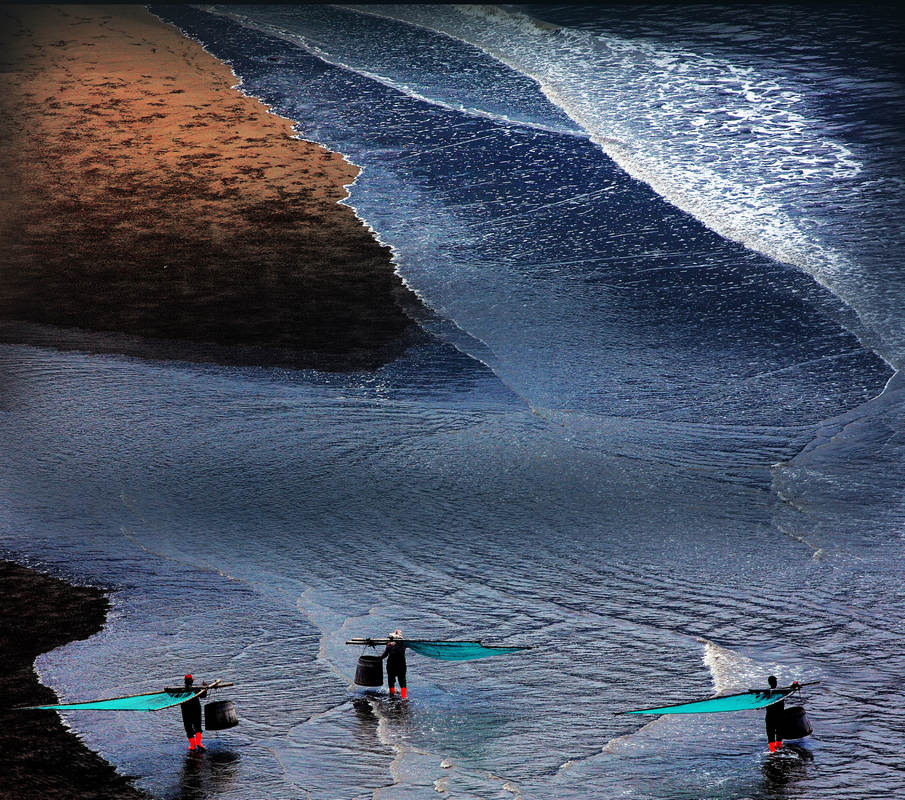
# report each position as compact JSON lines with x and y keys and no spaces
{"x":41,"y":759}
{"x":144,"y":195}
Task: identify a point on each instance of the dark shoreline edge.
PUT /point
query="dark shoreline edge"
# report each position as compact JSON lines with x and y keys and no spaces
{"x":41,"y":757}
{"x":149,"y":348}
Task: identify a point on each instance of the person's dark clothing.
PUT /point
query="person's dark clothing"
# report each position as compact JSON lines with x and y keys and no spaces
{"x":773,"y":720}
{"x":191,"y":715}
{"x":396,"y":673}
{"x":394,"y":653}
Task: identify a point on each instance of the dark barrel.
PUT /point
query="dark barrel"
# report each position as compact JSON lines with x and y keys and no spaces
{"x":369,"y":671}
{"x":795,"y":723}
{"x":220,"y":715}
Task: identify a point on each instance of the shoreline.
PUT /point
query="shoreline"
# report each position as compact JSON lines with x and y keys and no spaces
{"x":151,"y":197}
{"x":41,"y":757}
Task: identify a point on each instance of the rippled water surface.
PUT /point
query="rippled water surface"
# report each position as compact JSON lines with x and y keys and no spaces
{"x":664,"y":454}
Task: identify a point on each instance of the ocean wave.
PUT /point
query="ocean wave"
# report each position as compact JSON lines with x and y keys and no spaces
{"x":520,"y":116}
{"x":739,"y":148}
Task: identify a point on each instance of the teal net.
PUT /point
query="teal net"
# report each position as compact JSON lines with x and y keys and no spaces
{"x":730,"y":702}
{"x":458,"y":651}
{"x":138,"y":702}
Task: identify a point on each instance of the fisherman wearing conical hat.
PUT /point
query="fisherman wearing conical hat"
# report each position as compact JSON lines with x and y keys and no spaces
{"x":394,"y":653}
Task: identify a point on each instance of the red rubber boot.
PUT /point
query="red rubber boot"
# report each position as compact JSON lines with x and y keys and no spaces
{"x":403,"y":692}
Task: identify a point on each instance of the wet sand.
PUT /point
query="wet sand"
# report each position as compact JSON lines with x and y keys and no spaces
{"x":41,"y":759}
{"x":147,"y":197}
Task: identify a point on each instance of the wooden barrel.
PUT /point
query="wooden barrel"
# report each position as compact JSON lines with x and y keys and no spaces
{"x":369,"y":671}
{"x":220,"y":715}
{"x":795,"y":723}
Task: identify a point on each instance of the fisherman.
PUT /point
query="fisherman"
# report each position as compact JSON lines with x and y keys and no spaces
{"x":191,"y":716}
{"x":773,"y":719}
{"x":394,"y":653}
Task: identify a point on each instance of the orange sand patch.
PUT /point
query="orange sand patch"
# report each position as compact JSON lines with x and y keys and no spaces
{"x":146,"y":195}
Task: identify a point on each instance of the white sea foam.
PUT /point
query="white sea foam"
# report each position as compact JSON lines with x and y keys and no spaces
{"x":733,"y":672}
{"x":740,"y":149}
{"x":403,"y":87}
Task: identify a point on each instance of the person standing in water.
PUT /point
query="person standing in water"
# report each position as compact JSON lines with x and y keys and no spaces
{"x":191,"y":716}
{"x":773,"y":720}
{"x":394,"y":653}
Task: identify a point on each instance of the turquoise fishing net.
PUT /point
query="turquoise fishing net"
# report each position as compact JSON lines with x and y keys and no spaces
{"x":732,"y":702}
{"x":140,"y":702}
{"x":458,"y":651}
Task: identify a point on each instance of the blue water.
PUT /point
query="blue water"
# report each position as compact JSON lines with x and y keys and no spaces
{"x":656,"y":435}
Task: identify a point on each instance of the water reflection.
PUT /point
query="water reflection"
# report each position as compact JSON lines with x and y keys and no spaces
{"x":393,"y":708}
{"x":366,"y":720}
{"x":371,"y":708}
{"x":206,"y":774}
{"x":782,"y":770}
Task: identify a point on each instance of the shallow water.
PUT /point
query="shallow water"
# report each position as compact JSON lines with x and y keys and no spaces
{"x":668,"y":462}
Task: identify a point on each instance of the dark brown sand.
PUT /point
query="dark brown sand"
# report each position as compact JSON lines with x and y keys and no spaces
{"x":144,"y":195}
{"x":40,"y":758}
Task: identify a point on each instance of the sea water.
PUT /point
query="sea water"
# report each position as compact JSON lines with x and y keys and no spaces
{"x":656,"y":434}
